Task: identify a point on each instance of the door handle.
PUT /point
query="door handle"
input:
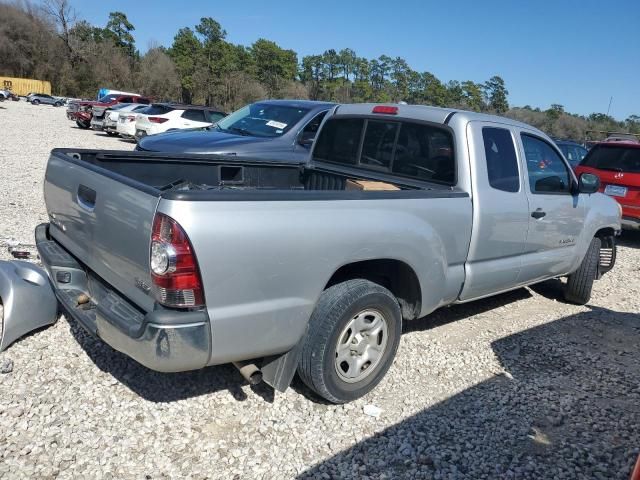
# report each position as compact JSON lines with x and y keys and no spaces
{"x":538,"y":213}
{"x":86,"y":197}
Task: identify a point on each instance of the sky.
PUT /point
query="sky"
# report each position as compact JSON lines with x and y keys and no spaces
{"x":577,"y":53}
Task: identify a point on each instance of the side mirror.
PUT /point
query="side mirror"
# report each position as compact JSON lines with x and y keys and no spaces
{"x":588,"y":183}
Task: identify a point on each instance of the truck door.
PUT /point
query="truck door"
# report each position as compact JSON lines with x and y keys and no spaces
{"x":556,"y":215}
{"x":500,"y":211}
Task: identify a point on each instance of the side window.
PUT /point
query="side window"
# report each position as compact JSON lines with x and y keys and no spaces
{"x":125,"y":100}
{"x":547,"y":170}
{"x":413,"y":150}
{"x":311,"y":129}
{"x":144,"y":101}
{"x":213,"y":117}
{"x":425,"y":153}
{"x":377,"y":148}
{"x":502,"y":163}
{"x":195,"y":115}
{"x":339,"y":141}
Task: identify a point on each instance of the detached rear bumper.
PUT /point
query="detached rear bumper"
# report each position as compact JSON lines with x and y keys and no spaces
{"x":164,"y":340}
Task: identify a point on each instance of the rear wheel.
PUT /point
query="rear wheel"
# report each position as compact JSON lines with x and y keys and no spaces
{"x":111,"y":134}
{"x":580,"y":282}
{"x":57,"y":104}
{"x":35,"y":102}
{"x":352,"y":340}
{"x":83,"y":125}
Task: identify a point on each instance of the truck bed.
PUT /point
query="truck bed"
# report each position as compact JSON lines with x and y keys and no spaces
{"x":190,"y":176}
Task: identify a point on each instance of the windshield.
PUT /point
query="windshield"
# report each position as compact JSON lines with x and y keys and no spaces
{"x":120,"y":106}
{"x":108,"y":98}
{"x":618,"y":158}
{"x":262,"y":120}
{"x":573,"y":153}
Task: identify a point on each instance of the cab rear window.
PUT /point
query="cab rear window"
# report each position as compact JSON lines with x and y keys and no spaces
{"x":613,"y":157}
{"x":414,"y":150}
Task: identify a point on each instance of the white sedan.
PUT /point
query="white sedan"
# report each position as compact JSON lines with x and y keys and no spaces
{"x":111,"y":115}
{"x":161,"y":118}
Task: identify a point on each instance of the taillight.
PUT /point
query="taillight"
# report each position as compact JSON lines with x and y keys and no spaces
{"x":131,"y":118}
{"x":174,"y":268}
{"x":158,"y":119}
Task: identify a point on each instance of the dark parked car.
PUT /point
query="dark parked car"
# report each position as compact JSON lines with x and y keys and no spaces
{"x":39,"y":98}
{"x":281,"y":130}
{"x":572,"y":151}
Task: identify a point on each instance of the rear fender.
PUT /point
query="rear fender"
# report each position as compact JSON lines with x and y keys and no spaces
{"x":28,"y":300}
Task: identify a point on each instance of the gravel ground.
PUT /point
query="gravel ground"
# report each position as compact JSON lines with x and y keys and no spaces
{"x":516,"y":386}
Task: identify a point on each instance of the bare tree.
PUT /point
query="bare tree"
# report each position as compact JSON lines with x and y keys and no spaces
{"x":64,"y":16}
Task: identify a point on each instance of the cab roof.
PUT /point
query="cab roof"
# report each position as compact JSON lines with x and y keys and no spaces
{"x":298,"y":103}
{"x":426,"y":113}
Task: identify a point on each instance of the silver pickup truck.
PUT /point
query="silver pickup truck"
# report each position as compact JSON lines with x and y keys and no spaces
{"x":185,"y":261}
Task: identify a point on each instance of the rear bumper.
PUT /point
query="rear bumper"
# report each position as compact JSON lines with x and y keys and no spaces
{"x":163,"y":340}
{"x":127,"y":130}
{"x":96,"y":124}
{"x":630,"y":223}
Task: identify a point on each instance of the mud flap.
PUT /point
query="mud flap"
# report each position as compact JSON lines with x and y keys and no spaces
{"x":279,"y":370}
{"x":27,"y":298}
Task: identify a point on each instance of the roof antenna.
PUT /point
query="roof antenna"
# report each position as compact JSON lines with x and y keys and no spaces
{"x":609,"y":107}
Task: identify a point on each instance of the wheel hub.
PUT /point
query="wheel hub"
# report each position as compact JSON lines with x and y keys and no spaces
{"x":361,"y":345}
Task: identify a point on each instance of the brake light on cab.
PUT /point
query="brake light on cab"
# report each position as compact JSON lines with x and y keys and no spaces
{"x":386,"y":109}
{"x":174,"y":268}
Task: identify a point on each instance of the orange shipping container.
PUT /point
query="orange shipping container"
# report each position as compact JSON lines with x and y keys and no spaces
{"x":22,"y":86}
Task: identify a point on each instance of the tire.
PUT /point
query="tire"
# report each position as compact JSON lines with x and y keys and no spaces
{"x":580,"y":282}
{"x":334,"y":321}
{"x":111,"y":134}
{"x":35,"y":102}
{"x":57,"y":104}
{"x":83,"y":125}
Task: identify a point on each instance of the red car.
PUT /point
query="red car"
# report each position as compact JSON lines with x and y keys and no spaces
{"x":82,"y":112}
{"x":617,"y":163}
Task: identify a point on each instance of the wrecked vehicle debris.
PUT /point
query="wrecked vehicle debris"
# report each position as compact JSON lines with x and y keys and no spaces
{"x":27,"y":298}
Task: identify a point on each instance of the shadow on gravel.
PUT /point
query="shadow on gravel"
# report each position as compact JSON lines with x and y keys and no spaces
{"x":461,"y":311}
{"x":164,"y":387}
{"x":629,"y":238}
{"x":550,"y":289}
{"x":569,"y":407}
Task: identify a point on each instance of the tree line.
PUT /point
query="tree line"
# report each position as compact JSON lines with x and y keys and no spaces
{"x":47,"y":41}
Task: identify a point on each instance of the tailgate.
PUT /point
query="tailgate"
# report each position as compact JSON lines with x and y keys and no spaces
{"x":102,"y":221}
